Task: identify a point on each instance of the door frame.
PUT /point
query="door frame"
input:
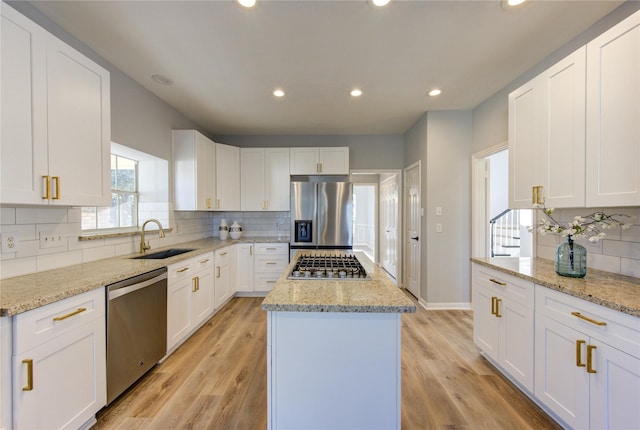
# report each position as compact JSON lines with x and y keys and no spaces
{"x":480,"y":199}
{"x":353,"y":175}
{"x":405,"y":236}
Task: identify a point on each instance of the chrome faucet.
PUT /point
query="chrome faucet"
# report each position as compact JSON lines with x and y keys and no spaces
{"x":145,"y":245}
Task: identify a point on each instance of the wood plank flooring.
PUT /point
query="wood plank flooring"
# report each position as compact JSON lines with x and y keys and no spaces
{"x":217,"y":379}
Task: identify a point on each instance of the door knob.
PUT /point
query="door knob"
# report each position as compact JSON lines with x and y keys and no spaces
{"x":414,"y":238}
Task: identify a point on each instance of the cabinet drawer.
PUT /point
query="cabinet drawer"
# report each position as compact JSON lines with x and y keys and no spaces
{"x":181,"y":270}
{"x":35,"y":327}
{"x":272,"y":248}
{"x":265,"y":281}
{"x":270,"y":264}
{"x":203,"y":262}
{"x":615,"y":328}
{"x":517,"y":289}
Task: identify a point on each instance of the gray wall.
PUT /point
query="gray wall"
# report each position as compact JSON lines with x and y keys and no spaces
{"x":441,"y":140}
{"x":366,"y":151}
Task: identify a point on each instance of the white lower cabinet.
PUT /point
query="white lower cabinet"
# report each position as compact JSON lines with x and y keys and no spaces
{"x":503,"y":322}
{"x":59,"y":363}
{"x":244,"y":267}
{"x":190,"y":298}
{"x":270,"y":261}
{"x":225,"y":275}
{"x":587,"y":362}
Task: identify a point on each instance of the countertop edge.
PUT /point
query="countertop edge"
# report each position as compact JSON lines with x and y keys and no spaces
{"x":338,"y":308}
{"x":554,"y":286}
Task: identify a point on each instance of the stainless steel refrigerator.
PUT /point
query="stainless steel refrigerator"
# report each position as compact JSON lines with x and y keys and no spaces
{"x":321,"y":215}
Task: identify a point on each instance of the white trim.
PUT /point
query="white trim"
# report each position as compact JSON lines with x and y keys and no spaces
{"x":465,"y":306}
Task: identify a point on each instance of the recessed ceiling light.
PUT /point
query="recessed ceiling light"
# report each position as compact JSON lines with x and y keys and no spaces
{"x":511,"y":3}
{"x":247,"y":3}
{"x":278,"y":93}
{"x":162,"y":80}
{"x":380,"y":3}
{"x":356,"y":92}
{"x":435,"y":92}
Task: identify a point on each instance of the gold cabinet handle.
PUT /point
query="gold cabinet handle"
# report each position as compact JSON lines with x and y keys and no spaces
{"x":47,"y":187}
{"x":70,"y":314}
{"x":266,"y":204}
{"x":217,"y":271}
{"x":184,"y":269}
{"x":534,"y":195}
{"x":218,"y":203}
{"x":194,"y":284}
{"x":498,"y":314}
{"x":29,"y":386}
{"x":579,"y":344}
{"x":590,"y":368}
{"x":495,"y":281}
{"x":271,"y":249}
{"x":271,"y":262}
{"x":208,"y":202}
{"x":591,"y":320}
{"x":57,"y":179}
{"x":250,"y":249}
{"x":204,"y":261}
{"x":493,"y":305}
{"x":223,"y":254}
{"x":271,"y":282}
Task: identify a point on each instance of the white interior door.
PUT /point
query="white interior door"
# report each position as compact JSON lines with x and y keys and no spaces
{"x":389,"y":223}
{"x":414,"y":214}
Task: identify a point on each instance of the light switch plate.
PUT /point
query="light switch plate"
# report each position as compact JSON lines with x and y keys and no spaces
{"x":51,"y":240}
{"x":438,"y":228}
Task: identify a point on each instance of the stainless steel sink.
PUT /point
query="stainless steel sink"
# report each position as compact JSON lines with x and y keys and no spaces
{"x":160,"y":255}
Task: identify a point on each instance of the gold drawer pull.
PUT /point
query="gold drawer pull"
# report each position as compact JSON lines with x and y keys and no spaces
{"x":223,"y":254}
{"x":69,"y":315}
{"x":591,"y":320}
{"x":493,"y":305}
{"x":498,"y":314}
{"x":217,"y":271}
{"x":57,"y":179}
{"x":271,"y":282}
{"x":184,"y":269}
{"x":29,"y":386}
{"x":204,"y":261}
{"x":495,"y":281}
{"x":250,"y":249}
{"x":271,"y":262}
{"x":579,"y":344}
{"x":47,"y":187}
{"x":272,"y":249}
{"x":590,"y":368}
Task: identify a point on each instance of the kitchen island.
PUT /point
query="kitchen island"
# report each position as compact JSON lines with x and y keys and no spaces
{"x":333,"y":352}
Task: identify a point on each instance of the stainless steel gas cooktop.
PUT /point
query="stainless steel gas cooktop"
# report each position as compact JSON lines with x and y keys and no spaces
{"x":346,"y":266}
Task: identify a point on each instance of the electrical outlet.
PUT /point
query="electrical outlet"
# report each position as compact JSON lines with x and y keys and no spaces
{"x":438,"y":210}
{"x":9,"y":242}
{"x":51,"y":240}
{"x":438,"y":228}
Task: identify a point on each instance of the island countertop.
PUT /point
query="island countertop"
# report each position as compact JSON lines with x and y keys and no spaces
{"x":617,"y":292}
{"x":378,"y":295}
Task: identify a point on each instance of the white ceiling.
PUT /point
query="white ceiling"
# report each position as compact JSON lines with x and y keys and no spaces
{"x":225,"y":61}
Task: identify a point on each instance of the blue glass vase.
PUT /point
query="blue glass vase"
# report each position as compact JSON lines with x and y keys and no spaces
{"x":571,"y":259}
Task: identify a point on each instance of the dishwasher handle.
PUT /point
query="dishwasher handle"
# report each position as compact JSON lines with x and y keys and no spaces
{"x":127,"y":286}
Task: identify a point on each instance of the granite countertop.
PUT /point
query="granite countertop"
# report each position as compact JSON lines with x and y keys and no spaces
{"x":378,"y":295}
{"x":23,"y":293}
{"x":618,"y":292}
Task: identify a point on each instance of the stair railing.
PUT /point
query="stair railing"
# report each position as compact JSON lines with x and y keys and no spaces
{"x":504,"y":232}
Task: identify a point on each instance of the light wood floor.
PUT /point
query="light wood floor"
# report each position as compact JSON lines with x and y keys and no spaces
{"x":217,"y":379}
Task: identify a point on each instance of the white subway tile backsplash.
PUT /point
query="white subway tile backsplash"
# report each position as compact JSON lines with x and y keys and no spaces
{"x":41,"y":215}
{"x":93,"y":254}
{"x":74,"y":215}
{"x":17,"y":267}
{"x":603,"y":262}
{"x":621,"y":249}
{"x":7,"y":215}
{"x":630,"y":267}
{"x":632,"y":234}
{"x":55,"y":261}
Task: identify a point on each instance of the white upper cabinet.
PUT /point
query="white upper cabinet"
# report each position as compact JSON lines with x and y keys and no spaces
{"x":613,"y":116}
{"x":319,"y":161}
{"x":194,"y":160}
{"x":227,"y":177}
{"x":265,"y":183}
{"x":547,"y":137}
{"x":56,"y":120}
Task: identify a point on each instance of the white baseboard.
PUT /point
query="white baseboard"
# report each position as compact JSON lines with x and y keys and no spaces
{"x":445,"y":306}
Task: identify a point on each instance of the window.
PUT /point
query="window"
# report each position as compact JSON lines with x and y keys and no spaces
{"x":123,"y":211}
{"x":139,"y":191}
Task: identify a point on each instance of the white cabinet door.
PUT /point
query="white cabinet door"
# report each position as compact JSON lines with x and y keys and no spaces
{"x":615,"y":389}
{"x":277,"y":180}
{"x":68,"y":380}
{"x":252,"y":185}
{"x":613,"y":116}
{"x":334,"y":161}
{"x":562,"y":382}
{"x":547,"y":137}
{"x":486,"y":327}
{"x":304,"y":161}
{"x":179,"y":305}
{"x":222,"y":284}
{"x":244,"y":267}
{"x":227,"y":177}
{"x":55,"y":111}
{"x":23,"y":147}
{"x":202,"y":292}
{"x":79,"y":127}
{"x":516,"y":341}
{"x":194,"y":159}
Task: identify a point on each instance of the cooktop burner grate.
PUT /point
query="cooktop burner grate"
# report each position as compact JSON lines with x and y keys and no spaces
{"x":310,"y":266}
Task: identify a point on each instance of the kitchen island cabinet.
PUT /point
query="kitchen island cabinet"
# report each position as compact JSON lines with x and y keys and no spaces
{"x":333,"y":353}
{"x":55,"y":111}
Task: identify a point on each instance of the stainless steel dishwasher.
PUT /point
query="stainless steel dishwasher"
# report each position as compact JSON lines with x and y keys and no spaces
{"x":136,"y":328}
